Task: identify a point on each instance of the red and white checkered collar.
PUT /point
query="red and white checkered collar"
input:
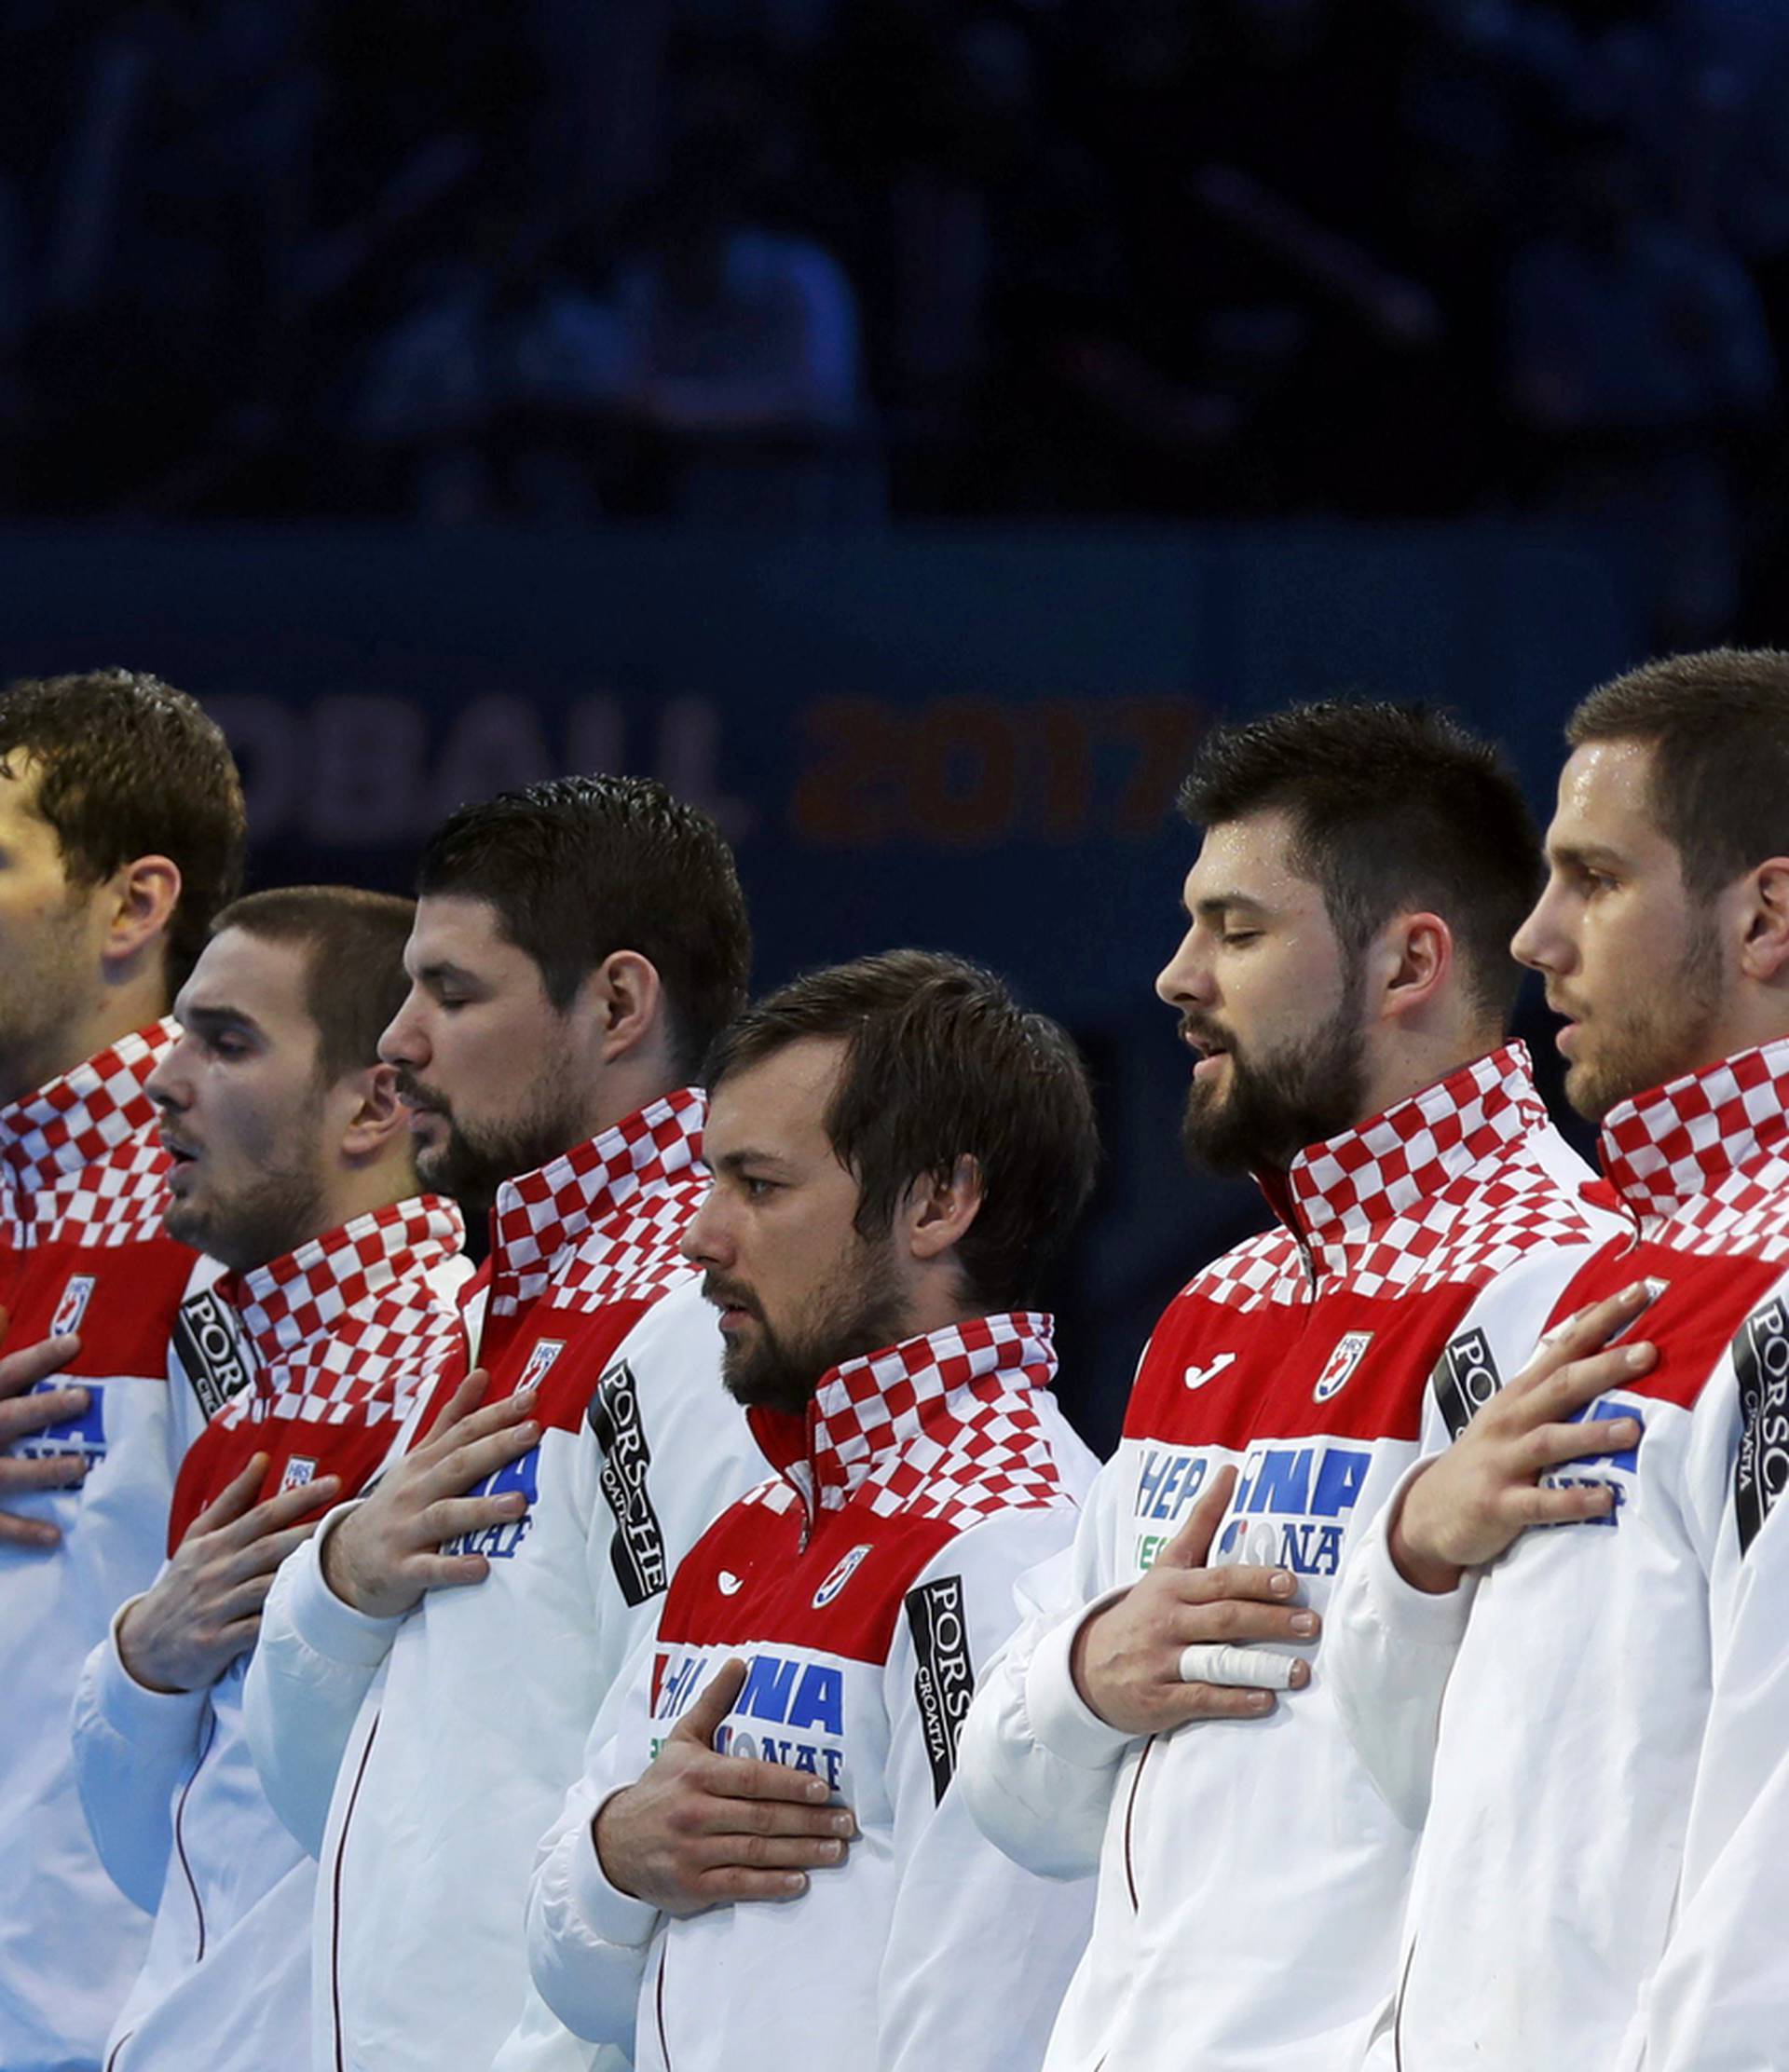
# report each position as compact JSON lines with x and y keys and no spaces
{"x":78,"y":1119}
{"x":303,"y":1297}
{"x":541,"y":1217}
{"x":865,"y":1413}
{"x":1342,"y":1189}
{"x":1663,"y":1150}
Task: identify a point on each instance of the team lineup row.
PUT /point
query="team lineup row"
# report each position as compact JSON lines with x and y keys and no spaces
{"x":696,"y":1638}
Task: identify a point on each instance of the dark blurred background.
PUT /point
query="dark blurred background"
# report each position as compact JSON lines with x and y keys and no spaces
{"x":900,"y":423}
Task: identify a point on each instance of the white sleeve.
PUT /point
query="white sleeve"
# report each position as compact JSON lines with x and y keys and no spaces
{"x":979,"y":1951}
{"x":1037,"y":1766}
{"x":1719,"y":2000}
{"x":133,"y":1748}
{"x":310,"y":1671}
{"x":587,"y":1941}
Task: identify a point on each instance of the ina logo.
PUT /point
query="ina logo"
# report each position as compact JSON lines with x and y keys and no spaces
{"x":1349,"y":1350}
{"x":840,"y":1577}
{"x":72,"y":1306}
{"x":298,"y":1472}
{"x":545,"y":1352}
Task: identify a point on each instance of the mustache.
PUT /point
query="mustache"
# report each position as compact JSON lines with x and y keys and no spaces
{"x":413,"y":1094}
{"x":725,"y":1294}
{"x":1206,"y":1030}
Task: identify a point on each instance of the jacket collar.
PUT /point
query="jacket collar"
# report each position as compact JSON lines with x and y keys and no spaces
{"x":291,"y":1303}
{"x":543,"y":1216}
{"x":78,"y":1119}
{"x":1664,"y":1150}
{"x":1348,"y":1187}
{"x":866,"y":1412}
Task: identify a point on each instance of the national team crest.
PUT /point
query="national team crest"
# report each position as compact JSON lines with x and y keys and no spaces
{"x":840,"y":1577}
{"x":1350,"y":1349}
{"x":299,"y":1470}
{"x":72,"y":1306}
{"x":546,"y":1351}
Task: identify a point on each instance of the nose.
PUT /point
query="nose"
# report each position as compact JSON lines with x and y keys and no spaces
{"x":168,"y":1086}
{"x":1541,"y":942}
{"x":704,"y":1241}
{"x":404,"y":1041}
{"x":1186,"y":980}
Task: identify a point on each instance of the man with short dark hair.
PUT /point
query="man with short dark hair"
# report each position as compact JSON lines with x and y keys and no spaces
{"x":292,"y":1166}
{"x":898,"y":1151}
{"x":429,"y":1665}
{"x":1592,"y":1718}
{"x":1341,"y":986}
{"x":121,"y":833}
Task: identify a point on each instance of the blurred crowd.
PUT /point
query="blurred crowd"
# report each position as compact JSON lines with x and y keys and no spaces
{"x":826,"y":261}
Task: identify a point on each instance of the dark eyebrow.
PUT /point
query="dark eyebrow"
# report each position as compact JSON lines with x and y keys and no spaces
{"x":1584,"y":856}
{"x":441,"y":973}
{"x":209,"y":1021}
{"x":1220,"y":906}
{"x":735,"y":1163}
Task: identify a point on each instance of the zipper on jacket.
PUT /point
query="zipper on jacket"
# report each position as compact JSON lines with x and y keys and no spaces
{"x":658,"y":2006}
{"x":1397,"y":2013}
{"x":1131,"y":1815}
{"x":336,"y":1897}
{"x":180,"y":1843}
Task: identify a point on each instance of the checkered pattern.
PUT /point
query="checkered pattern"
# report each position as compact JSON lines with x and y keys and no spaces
{"x":350,"y":1325}
{"x":1450,"y":1186}
{"x":81,"y":1160}
{"x":1705,"y":1159}
{"x":601,"y":1225}
{"x":942,"y":1426}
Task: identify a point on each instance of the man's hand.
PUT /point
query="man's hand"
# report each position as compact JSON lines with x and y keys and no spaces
{"x":386,"y":1554}
{"x":700,"y":1830}
{"x":23,"y":1415}
{"x":1470,"y":1502}
{"x":205,"y":1607}
{"x":1168,"y":1650}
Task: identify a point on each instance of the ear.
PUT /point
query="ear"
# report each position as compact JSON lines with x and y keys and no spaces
{"x":1411,"y":963}
{"x":1764,"y":893}
{"x":937,"y":1212}
{"x":143,"y":895}
{"x":627,"y":999}
{"x":375,"y":1120}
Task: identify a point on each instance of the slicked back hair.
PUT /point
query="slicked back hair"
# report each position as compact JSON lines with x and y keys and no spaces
{"x":132,"y":767}
{"x":354,"y":977}
{"x":1396,"y":808}
{"x":580,"y":868}
{"x":941,"y":1063}
{"x":1718,"y":726}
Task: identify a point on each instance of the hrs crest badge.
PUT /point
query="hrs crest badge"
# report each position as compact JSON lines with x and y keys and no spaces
{"x":839,"y":1578}
{"x":540,"y":1358}
{"x":72,"y":1306}
{"x":1350,"y":1348}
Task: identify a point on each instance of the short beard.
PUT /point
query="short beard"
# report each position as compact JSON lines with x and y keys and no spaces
{"x":1300,"y":1094}
{"x":282,"y":1210}
{"x":1651,"y":1040}
{"x":780,"y":1373}
{"x":474,"y":1163}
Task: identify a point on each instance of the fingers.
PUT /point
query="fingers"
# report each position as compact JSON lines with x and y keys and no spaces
{"x":1238,"y":1620}
{"x":460,"y":1406}
{"x":1572,"y":1387}
{"x":55,"y":1471}
{"x":726,"y":1808}
{"x":1570,"y":1505}
{"x":1191,"y":1545}
{"x":1215,"y":1701}
{"x":716,"y":1888}
{"x":25,"y":1415}
{"x":1215,"y":1586}
{"x":1554,"y":1445}
{"x":232,"y":1500}
{"x":1587,"y":1330}
{"x":469,"y":1465}
{"x":263,"y":1556}
{"x":1247,"y":1667}
{"x":281,"y":1510}
{"x":453,"y":1517}
{"x":702,"y":1722}
{"x":32,"y":1364}
{"x":448,"y":1572}
{"x":36,"y":1535}
{"x":464,"y":1421}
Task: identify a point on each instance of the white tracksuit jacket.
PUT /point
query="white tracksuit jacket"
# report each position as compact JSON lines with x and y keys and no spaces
{"x":81,"y":1200}
{"x":1603,"y":1876}
{"x":864,"y":1583}
{"x":1250,"y":1877}
{"x":338,"y":1338}
{"x":422,"y":1757}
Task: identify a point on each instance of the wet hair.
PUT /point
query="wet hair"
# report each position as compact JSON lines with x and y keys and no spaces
{"x":940,"y":1064}
{"x":1395,"y":809}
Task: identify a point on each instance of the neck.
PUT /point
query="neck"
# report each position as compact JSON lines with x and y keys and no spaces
{"x":623,"y":1090}
{"x":1407,"y":1067}
{"x":349,"y":1197}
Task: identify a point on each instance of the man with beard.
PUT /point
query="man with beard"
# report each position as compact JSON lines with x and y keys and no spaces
{"x":898,"y":1151}
{"x":121,"y":834}
{"x":1342,"y":986}
{"x":1596,"y":1720}
{"x":577,"y":946}
{"x":292,"y":1166}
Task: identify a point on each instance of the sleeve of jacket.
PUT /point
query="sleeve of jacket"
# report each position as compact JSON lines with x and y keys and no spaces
{"x":133,"y":1749}
{"x":313,"y":1664}
{"x":588,"y":1941}
{"x":1036,"y":1765}
{"x":1719,"y":2000}
{"x":663,"y":1452}
{"x":965,"y":1915}
{"x":1389,"y":1649}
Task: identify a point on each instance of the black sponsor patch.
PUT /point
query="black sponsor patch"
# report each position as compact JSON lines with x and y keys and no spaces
{"x":206,"y":1346}
{"x":1465,"y":1378}
{"x":637,"y":1552}
{"x":1761,"y":1361}
{"x":944,"y":1682}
